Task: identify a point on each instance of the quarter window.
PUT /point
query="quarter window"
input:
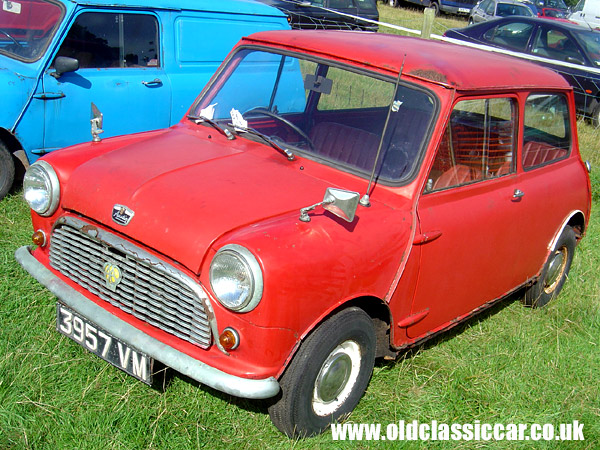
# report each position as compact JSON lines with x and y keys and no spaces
{"x":103,"y":40}
{"x":478,"y":144}
{"x":547,"y":134}
{"x":514,"y":35}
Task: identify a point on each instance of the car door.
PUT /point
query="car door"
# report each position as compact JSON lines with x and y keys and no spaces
{"x":469,"y":216}
{"x":347,"y":8}
{"x":479,"y":11}
{"x":120,"y":71}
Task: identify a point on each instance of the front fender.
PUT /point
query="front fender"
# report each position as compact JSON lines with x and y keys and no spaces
{"x":311,"y":268}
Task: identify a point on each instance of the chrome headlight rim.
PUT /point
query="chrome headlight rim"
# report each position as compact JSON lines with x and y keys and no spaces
{"x":51,"y":182}
{"x":250,"y":262}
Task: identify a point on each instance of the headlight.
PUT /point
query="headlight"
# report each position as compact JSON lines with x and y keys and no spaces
{"x":41,"y":188}
{"x":236,"y":278}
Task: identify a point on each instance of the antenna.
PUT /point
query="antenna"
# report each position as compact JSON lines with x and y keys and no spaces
{"x":365,"y":200}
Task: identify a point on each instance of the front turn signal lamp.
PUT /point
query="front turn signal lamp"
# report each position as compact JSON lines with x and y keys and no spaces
{"x":39,"y":238}
{"x":229,"y":339}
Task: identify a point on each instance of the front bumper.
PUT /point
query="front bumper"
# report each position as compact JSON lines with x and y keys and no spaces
{"x":184,"y":364}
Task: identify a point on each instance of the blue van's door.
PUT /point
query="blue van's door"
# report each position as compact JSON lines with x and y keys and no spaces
{"x":120,"y":70}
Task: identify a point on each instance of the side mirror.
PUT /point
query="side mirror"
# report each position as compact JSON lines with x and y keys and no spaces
{"x":64,"y":64}
{"x":339,"y":202}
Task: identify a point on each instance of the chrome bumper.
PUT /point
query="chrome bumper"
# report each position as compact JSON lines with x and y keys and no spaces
{"x":182,"y":363}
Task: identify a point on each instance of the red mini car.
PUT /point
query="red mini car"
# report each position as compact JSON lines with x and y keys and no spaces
{"x":331,"y":198}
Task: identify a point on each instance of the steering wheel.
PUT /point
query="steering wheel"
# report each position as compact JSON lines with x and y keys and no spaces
{"x":266,"y":112}
{"x":11,"y":38}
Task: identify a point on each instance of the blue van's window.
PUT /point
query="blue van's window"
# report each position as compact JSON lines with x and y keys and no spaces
{"x":102,"y":40}
{"x":26,"y":27}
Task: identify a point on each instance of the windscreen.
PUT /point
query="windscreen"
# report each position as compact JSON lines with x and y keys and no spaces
{"x":26,"y":27}
{"x":334,"y":114}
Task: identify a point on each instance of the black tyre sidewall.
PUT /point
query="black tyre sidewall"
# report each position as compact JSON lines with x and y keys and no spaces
{"x":535,"y":296}
{"x":7,"y":171}
{"x":596,"y":115}
{"x":293,"y":413}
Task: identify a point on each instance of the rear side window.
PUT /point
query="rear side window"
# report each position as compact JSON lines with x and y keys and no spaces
{"x":105,"y":40}
{"x":547,"y":133}
{"x":478,"y":144}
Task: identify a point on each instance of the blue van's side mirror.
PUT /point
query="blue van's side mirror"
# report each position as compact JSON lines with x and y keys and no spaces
{"x":64,"y":64}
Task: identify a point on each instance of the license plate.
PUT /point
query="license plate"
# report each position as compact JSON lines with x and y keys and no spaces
{"x":102,"y":344}
{"x":464,"y":10}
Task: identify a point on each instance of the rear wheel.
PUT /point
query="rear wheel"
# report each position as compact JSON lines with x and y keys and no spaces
{"x":328,"y":375}
{"x":555,"y":271}
{"x":596,"y":115}
{"x":7,"y":170}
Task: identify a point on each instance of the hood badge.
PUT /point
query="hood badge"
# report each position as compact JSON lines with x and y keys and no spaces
{"x":122,"y":214}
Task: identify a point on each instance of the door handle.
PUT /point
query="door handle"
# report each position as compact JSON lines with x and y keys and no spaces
{"x":155,"y":82}
{"x":518,"y":194}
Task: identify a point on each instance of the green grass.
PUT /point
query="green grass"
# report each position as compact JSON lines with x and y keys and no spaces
{"x":510,"y":365}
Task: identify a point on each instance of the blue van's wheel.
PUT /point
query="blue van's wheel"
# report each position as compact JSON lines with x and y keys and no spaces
{"x":7,"y":171}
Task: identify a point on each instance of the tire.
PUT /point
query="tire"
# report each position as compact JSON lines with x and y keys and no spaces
{"x":555,"y":271}
{"x":596,"y":115}
{"x":392,"y":3}
{"x":436,"y":8}
{"x":7,"y":171}
{"x":328,"y":375}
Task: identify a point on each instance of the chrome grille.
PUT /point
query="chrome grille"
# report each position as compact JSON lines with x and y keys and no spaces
{"x":147,"y":290}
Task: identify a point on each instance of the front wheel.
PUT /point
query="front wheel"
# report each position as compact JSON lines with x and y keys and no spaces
{"x":7,"y":170}
{"x":328,"y":375}
{"x":555,"y":271}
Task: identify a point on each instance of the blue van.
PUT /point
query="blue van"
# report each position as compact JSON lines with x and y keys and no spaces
{"x":140,"y":62}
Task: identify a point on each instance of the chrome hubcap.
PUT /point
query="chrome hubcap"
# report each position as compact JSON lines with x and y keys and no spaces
{"x":556,"y":269}
{"x":337,"y":378}
{"x":333,"y":377}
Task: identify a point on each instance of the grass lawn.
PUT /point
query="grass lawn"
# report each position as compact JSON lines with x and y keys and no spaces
{"x":510,"y":365}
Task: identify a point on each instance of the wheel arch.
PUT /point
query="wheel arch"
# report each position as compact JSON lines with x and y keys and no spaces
{"x":374,"y":307}
{"x":16,"y":149}
{"x":10,"y":140}
{"x":575,"y":220}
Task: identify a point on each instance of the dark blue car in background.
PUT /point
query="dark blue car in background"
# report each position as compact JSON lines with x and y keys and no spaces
{"x":329,"y":14}
{"x":569,"y":49}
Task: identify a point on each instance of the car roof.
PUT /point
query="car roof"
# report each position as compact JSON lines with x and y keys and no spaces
{"x":230,"y":6}
{"x":443,"y":63}
{"x":537,"y":20}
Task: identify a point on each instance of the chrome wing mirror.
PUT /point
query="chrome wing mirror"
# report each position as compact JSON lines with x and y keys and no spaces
{"x":340,"y":202}
{"x":96,"y":123}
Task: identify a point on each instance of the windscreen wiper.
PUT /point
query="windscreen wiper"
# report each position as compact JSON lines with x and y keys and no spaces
{"x":202,"y":119}
{"x":288,"y":154}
